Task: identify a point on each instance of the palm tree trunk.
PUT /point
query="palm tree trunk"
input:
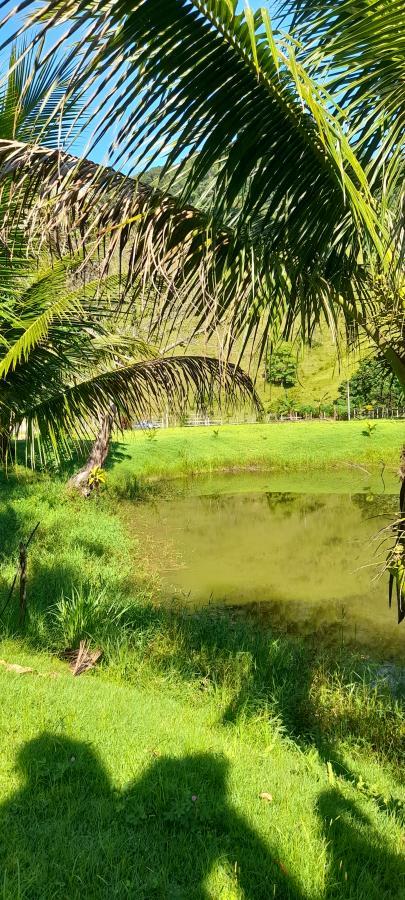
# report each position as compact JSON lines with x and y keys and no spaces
{"x":98,"y":453}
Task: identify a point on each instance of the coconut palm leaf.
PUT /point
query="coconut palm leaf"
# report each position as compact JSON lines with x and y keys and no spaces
{"x":293,"y":218}
{"x":69,"y":352}
{"x":49,"y":286}
{"x":358,"y":50}
{"x":189,"y":271}
{"x":227,"y":94}
{"x":29,"y":94}
{"x":166,"y":247}
{"x":137,"y":390}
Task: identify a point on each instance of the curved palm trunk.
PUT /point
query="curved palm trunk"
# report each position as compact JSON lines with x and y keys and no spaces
{"x":98,"y":453}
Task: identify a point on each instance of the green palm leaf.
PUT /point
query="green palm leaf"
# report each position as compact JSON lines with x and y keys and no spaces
{"x":294,"y":215}
{"x":137,"y":390}
{"x":48,"y":290}
{"x":358,"y":49}
{"x":225,"y":93}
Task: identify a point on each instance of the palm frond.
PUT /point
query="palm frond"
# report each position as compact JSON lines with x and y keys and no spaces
{"x":293,"y":217}
{"x":43,"y":300}
{"x":222,"y":88}
{"x":188,"y":270}
{"x":358,"y":50}
{"x":225,"y":93}
{"x":138,"y":391}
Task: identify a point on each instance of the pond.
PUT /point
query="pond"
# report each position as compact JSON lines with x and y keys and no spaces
{"x":300,"y":550}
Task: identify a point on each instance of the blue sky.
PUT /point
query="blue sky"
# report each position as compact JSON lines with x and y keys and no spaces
{"x":99,"y":153}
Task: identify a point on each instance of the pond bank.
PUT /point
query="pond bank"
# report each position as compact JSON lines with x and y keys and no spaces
{"x":87,"y":579}
{"x":281,"y":446}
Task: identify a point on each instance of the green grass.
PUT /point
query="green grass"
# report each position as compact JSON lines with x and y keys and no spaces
{"x":142,"y":780}
{"x":78,"y":546}
{"x":283,"y":446}
{"x":115,"y":791}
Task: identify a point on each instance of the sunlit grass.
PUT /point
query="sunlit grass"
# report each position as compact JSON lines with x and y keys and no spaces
{"x":282,"y":446}
{"x":109,"y":790}
{"x":142,"y":780}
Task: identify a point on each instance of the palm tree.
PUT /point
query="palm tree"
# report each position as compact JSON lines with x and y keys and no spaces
{"x":63,"y":369}
{"x":301,"y":220}
{"x":302,"y":135}
{"x":69,"y":353}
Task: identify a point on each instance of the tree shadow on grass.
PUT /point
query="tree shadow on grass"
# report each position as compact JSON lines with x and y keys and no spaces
{"x":278,"y":676}
{"x":118,"y":452}
{"x":358,"y":865}
{"x":286,"y":683}
{"x":9,"y":531}
{"x":68,"y":833}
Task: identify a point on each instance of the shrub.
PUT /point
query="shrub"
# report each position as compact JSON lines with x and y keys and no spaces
{"x":373,"y":384}
{"x":282,"y":366}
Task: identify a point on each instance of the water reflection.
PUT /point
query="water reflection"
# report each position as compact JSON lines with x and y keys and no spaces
{"x":308,"y":560}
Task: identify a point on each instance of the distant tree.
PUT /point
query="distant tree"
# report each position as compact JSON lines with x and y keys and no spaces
{"x":282,"y":367}
{"x":374,"y":384}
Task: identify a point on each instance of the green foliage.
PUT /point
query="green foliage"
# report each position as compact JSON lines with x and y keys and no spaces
{"x":282,"y":366}
{"x":79,"y":550}
{"x":370,"y":428}
{"x":66,"y":357}
{"x":373,"y":384}
{"x":87,"y":614}
{"x":97,"y":477}
{"x":69,"y":347}
{"x":298,"y":225}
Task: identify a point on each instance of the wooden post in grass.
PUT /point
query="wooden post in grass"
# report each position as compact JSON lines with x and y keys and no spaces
{"x":23,"y":582}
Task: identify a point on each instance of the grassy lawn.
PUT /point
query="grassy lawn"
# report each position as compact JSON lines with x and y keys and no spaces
{"x":281,"y":445}
{"x":142,"y":780}
{"x":112,"y":791}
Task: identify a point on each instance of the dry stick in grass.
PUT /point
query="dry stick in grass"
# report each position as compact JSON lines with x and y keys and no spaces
{"x":82,"y":659}
{"x":23,"y":583}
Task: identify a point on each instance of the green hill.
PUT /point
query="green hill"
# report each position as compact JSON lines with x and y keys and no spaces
{"x":320,"y":370}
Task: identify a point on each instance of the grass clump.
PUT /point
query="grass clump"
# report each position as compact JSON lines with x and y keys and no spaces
{"x":86,"y":615}
{"x":80,"y":560}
